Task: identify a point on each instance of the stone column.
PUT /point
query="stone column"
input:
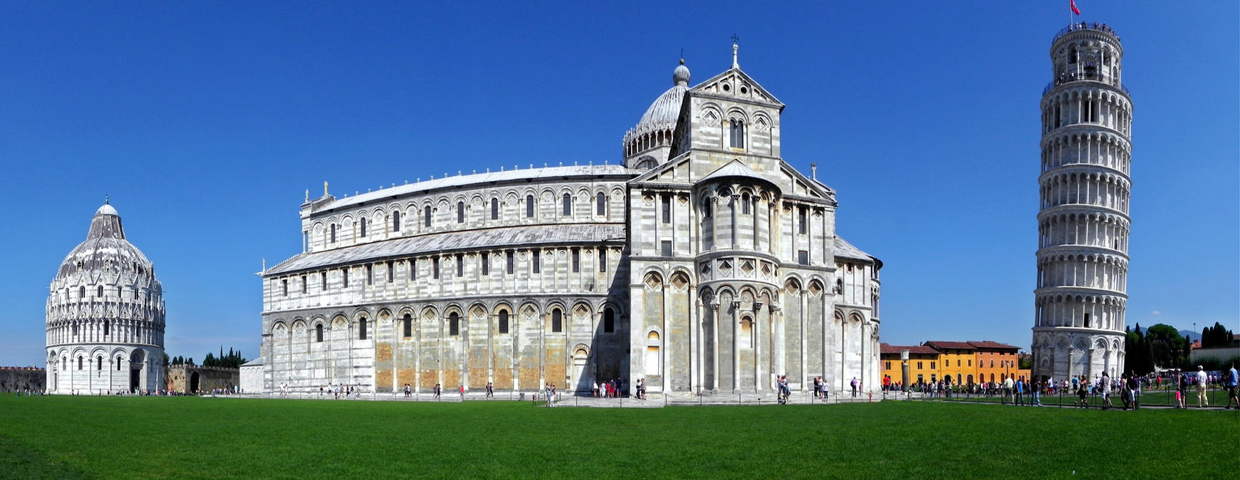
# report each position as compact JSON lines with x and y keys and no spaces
{"x":714,"y":317}
{"x":736,"y":346}
{"x":695,"y":348}
{"x":757,"y":347}
{"x":664,"y":345}
{"x":780,"y":341}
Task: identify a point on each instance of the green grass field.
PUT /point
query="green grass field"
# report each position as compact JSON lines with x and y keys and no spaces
{"x":114,"y":437}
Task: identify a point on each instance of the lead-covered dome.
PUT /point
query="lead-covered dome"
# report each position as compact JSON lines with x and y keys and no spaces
{"x":655,"y":129}
{"x":106,"y":254}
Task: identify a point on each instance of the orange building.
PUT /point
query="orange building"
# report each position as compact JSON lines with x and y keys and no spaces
{"x":997,"y":361}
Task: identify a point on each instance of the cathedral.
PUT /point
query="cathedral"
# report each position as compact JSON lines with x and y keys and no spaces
{"x":699,"y":263}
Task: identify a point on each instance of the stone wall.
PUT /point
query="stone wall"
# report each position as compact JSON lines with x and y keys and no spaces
{"x":193,"y":378}
{"x":13,"y":379}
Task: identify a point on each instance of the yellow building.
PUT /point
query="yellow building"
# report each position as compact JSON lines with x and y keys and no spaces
{"x":923,"y":363}
{"x":957,"y":361}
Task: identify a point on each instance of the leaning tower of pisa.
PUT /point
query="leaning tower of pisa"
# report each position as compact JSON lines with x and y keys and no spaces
{"x":1083,"y":220}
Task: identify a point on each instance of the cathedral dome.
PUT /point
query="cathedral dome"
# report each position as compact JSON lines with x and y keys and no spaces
{"x":106,"y":256}
{"x":656,"y":126}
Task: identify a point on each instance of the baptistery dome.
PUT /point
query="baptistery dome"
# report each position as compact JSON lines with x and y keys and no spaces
{"x":105,"y":315}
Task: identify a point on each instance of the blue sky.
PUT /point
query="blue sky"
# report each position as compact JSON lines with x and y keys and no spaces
{"x":207,"y":121}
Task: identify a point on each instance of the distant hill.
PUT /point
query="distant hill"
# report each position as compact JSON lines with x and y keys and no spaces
{"x":1190,"y":334}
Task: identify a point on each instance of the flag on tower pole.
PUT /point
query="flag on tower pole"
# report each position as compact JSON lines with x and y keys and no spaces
{"x":1072,"y":3}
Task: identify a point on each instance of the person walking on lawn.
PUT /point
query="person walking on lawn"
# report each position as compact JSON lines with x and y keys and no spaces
{"x":1202,"y":380}
{"x":1233,"y":379}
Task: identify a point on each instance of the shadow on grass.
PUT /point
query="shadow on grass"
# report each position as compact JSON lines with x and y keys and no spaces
{"x":20,"y":461}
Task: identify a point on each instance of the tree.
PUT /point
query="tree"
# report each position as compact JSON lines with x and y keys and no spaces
{"x":1166,"y":345}
{"x":1216,"y":336}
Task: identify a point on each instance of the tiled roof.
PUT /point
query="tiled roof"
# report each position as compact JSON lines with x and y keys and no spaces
{"x":886,"y":349}
{"x":989,"y":345}
{"x":847,"y":250}
{"x":951,"y":345}
{"x":479,"y":178}
{"x":571,"y":234}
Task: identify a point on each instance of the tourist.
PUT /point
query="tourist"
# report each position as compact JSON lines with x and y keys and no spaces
{"x":826,"y":391}
{"x":1134,"y":388}
{"x":1037,"y":393}
{"x":490,"y":390}
{"x":1081,"y":392}
{"x":595,"y":389}
{"x":1020,"y":392}
{"x":408,"y":391}
{"x":1202,"y":400}
{"x":1181,"y":389}
{"x":1233,"y":380}
{"x":854,"y":387}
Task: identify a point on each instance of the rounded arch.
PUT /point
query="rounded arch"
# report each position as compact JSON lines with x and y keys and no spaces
{"x":792,"y":285}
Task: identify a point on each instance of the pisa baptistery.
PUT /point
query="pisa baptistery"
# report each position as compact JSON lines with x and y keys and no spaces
{"x":1083,"y":220}
{"x":105,"y":316}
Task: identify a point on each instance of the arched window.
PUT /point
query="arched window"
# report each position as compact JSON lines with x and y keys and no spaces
{"x":557,"y":321}
{"x":460,"y":212}
{"x":529,"y":206}
{"x":737,"y":133}
{"x":609,"y":320}
{"x":318,"y":333}
{"x":407,"y":324}
{"x":503,"y":321}
{"x":601,"y":208}
{"x":361,"y":329}
{"x":494,"y":209}
{"x":568,"y":204}
{"x":602,"y":259}
{"x":118,"y":363}
{"x":454,"y":324}
{"x":396,"y":221}
{"x":745,"y":204}
{"x":79,"y":362}
{"x":426,"y":216}
{"x":100,"y":294}
{"x":333,"y":233}
{"x":99,"y":363}
{"x":81,"y":293}
{"x":362,"y":226}
{"x":106,"y":328}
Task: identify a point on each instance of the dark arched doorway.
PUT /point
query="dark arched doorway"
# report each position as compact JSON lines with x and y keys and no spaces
{"x":136,"y":365}
{"x":193,"y":382}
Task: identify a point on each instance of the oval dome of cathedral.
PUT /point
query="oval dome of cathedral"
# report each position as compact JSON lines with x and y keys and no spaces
{"x":665,"y":110}
{"x":106,"y":252}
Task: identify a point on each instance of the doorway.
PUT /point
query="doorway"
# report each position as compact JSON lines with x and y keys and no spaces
{"x":193,"y":382}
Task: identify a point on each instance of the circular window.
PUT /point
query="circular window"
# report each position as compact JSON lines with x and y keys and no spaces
{"x":726,"y":87}
{"x":744,"y":90}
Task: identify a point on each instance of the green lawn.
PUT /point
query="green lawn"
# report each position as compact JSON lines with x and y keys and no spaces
{"x":113,"y":437}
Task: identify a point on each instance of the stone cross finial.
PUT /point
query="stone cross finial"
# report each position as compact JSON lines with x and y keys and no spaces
{"x":324,"y":188}
{"x":813,"y":168}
